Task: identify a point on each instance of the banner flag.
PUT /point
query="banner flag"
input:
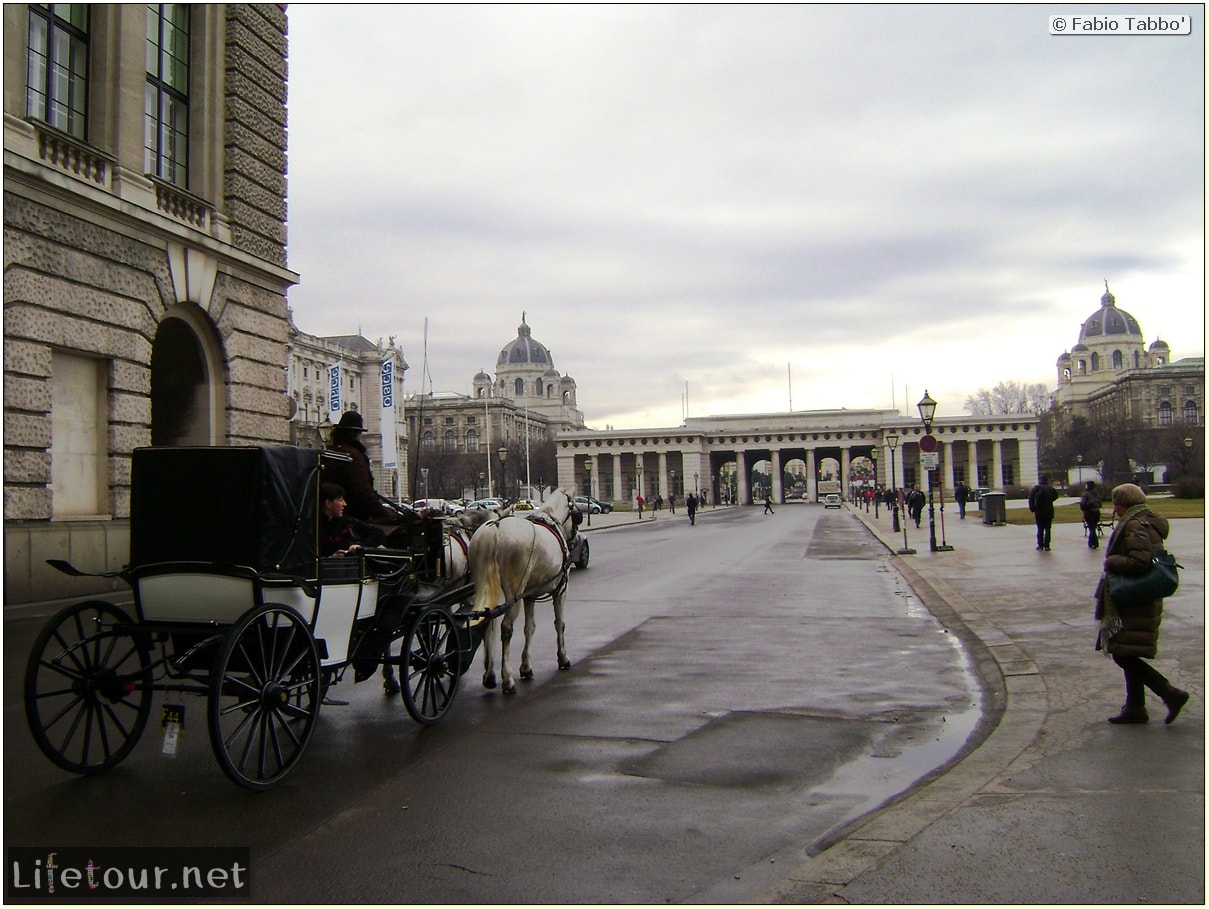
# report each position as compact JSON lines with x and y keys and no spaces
{"x":334,"y":391}
{"x":390,"y":449}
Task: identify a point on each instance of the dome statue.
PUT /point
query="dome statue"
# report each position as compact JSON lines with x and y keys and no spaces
{"x":1108,"y":320}
{"x":524,"y":350}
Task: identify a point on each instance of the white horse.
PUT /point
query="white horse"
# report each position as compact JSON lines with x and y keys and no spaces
{"x":520,"y":559}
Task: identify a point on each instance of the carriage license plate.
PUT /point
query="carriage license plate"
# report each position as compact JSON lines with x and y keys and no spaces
{"x":172,"y":718}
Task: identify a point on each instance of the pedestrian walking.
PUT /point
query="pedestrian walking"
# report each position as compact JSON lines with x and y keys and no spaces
{"x":962,"y":495}
{"x":1041,"y":503}
{"x":915,"y":504}
{"x":1130,"y":634}
{"x":1090,"y":504}
{"x":768,"y":504}
{"x":690,"y":505}
{"x":640,"y":501}
{"x":671,"y":502}
{"x":658,"y":501}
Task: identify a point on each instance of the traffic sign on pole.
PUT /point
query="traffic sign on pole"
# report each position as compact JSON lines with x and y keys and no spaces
{"x":927,"y":443}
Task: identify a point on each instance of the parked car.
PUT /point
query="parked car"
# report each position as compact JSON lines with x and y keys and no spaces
{"x":593,"y":505}
{"x":444,"y":506}
{"x":831,"y":500}
{"x":492,"y":504}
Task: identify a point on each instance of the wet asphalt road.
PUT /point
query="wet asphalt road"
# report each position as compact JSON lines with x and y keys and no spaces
{"x":741,"y":690}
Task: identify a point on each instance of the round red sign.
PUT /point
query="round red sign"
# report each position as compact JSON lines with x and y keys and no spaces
{"x":927,"y":443}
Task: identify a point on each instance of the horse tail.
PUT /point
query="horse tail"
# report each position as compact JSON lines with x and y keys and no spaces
{"x":485,"y":567}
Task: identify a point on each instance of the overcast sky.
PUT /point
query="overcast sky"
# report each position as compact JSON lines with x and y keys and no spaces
{"x":843,"y":203}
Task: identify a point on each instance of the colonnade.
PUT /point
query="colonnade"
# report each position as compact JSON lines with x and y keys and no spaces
{"x":698,"y":456}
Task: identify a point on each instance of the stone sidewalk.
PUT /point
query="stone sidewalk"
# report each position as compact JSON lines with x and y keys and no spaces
{"x":1052,"y":804}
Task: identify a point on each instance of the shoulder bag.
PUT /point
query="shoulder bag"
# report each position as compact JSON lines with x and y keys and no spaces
{"x":1161,"y":581}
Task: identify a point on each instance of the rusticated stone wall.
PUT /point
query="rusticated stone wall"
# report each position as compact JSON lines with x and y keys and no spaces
{"x":254,"y":159}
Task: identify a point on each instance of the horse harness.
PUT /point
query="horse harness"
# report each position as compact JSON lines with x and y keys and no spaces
{"x":548,"y":522}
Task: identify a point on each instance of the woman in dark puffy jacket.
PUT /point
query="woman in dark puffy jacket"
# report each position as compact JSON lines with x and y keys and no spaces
{"x":1130,"y":635}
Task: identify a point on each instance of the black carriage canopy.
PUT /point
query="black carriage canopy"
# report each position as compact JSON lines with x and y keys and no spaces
{"x":252,"y":506}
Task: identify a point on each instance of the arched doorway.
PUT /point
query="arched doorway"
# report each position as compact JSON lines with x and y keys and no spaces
{"x":186,"y":381}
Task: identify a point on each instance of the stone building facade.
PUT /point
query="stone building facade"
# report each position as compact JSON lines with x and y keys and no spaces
{"x":1110,"y":372}
{"x":145,"y":271}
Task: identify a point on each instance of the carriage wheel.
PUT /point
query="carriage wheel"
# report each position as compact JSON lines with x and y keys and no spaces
{"x":264,"y":696}
{"x":88,"y":687}
{"x":431,"y":665}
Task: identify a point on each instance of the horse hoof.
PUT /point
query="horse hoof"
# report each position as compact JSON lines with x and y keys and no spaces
{"x":564,"y":664}
{"x":511,"y":690}
{"x":489,"y":682}
{"x":391,"y":686}
{"x":527,"y":674}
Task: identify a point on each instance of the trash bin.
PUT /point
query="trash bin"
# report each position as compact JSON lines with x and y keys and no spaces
{"x":994,"y":508}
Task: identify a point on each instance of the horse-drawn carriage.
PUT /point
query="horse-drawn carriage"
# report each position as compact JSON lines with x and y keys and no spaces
{"x":233,"y":601}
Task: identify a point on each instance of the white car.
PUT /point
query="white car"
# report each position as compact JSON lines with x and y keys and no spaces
{"x":832,"y":501}
{"x":491,"y":504}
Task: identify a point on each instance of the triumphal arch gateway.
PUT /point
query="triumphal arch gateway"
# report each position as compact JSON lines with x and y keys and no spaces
{"x":821,"y":450}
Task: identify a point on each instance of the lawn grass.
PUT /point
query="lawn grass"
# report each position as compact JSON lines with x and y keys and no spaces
{"x":1070,"y":514}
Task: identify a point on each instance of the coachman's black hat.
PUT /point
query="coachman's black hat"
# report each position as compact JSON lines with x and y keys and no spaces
{"x":351,"y":420}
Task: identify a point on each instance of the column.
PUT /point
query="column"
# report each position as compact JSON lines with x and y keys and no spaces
{"x":778,"y":484}
{"x":996,"y":464}
{"x":947,"y":454}
{"x":663,"y":486}
{"x":1027,"y":459}
{"x":619,"y":494}
{"x":744,"y":482}
{"x":594,"y":479}
{"x":845,"y":477}
{"x":812,"y":477}
{"x":972,"y":463}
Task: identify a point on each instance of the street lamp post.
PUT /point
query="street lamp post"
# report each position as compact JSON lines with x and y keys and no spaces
{"x":1187,"y":453}
{"x":480,"y":486}
{"x":502,"y":452}
{"x":927,"y":411}
{"x":876,"y":498}
{"x":588,"y":474}
{"x":424,"y":474}
{"x":638,"y":495}
{"x":892,"y":442}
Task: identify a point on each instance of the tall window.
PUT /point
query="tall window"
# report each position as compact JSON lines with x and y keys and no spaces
{"x":1191,"y":413}
{"x":1118,"y":360}
{"x":57,"y":66}
{"x":451,"y":441}
{"x":1165,"y":413}
{"x":166,"y":101}
{"x":520,"y":387}
{"x":472,"y":440}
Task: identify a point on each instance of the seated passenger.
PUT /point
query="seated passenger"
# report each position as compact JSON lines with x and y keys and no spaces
{"x":338,"y":535}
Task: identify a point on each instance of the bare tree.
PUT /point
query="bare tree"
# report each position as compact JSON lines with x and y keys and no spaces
{"x":1009,"y":398}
